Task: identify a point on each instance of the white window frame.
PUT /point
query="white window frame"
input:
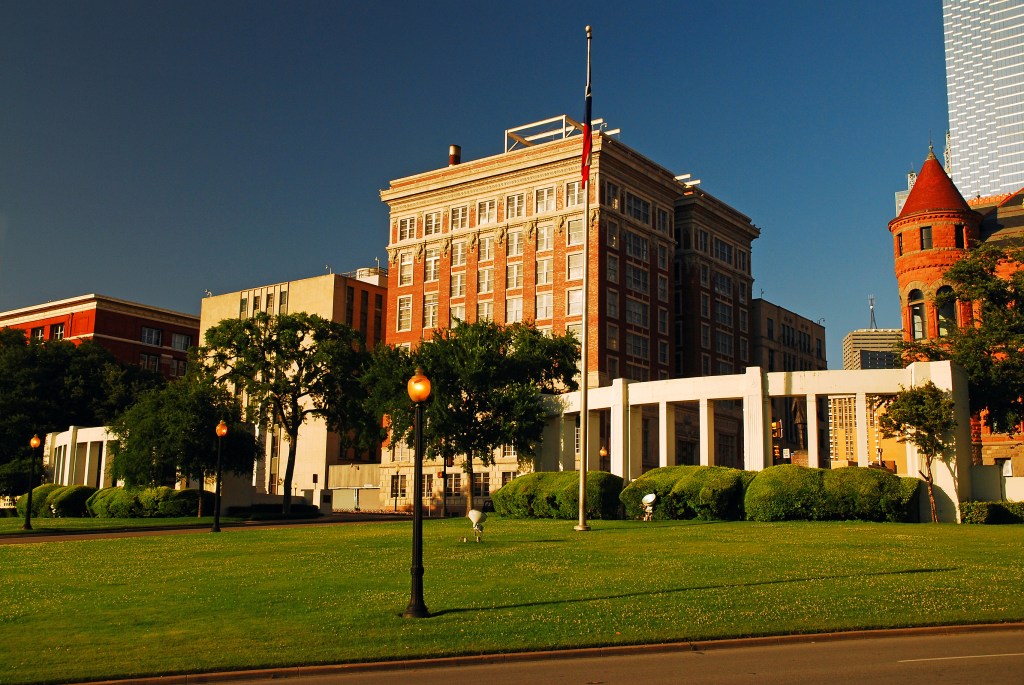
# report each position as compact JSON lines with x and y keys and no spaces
{"x":514,"y":309}
{"x":514,"y":245}
{"x":486,"y":212}
{"x":545,"y":271}
{"x":485,"y":310}
{"x":574,"y":302}
{"x":405,"y":268}
{"x":545,"y":305}
{"x":431,"y":264}
{"x":458,"y":286}
{"x":459,"y":253}
{"x":573,"y":194}
{"x":515,"y":206}
{"x":485,"y":280}
{"x":486,"y":248}
{"x":545,"y":238}
{"x":403,"y":316}
{"x":406,"y":228}
{"x":574,"y":266}
{"x":575,"y":232}
{"x":544,"y":200}
{"x":430,"y":310}
{"x":432,"y":223}
{"x":459,"y":217}
{"x":514,"y":275}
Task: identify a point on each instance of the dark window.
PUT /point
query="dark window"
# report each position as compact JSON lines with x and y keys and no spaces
{"x":945,"y":310}
{"x":915,"y":300}
{"x":958,"y":236}
{"x":926,"y":237}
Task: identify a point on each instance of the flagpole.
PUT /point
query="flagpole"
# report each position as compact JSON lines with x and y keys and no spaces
{"x":584,"y":347}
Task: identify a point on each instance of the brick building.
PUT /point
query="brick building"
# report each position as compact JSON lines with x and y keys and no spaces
{"x":933,"y":230}
{"x":356,"y":299}
{"x":501,"y":238}
{"x":786,"y":341}
{"x":154,"y":338}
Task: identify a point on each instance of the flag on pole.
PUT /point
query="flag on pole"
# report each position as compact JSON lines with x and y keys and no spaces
{"x":587,"y":138}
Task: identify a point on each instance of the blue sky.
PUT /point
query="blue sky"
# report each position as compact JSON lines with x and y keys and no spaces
{"x":151,"y":150}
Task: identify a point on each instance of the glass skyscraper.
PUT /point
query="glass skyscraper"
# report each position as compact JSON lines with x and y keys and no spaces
{"x":985,"y":85}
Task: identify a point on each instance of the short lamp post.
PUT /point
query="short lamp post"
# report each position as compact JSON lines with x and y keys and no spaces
{"x":604,"y":455}
{"x":222,"y":430}
{"x":34,"y":443}
{"x":419,"y":391}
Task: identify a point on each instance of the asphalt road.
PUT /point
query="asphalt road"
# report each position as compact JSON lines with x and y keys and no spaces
{"x":948,"y":656}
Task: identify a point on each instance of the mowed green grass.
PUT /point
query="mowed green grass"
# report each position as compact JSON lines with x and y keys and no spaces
{"x":43,"y":526}
{"x":91,"y":609}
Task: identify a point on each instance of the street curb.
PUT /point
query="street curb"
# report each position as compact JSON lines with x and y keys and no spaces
{"x":586,"y":652}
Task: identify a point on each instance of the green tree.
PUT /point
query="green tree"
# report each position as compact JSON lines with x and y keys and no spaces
{"x":990,"y":348}
{"x":486,"y":380}
{"x":48,"y":386}
{"x":292,"y":367}
{"x":169,"y":435}
{"x":922,"y":416}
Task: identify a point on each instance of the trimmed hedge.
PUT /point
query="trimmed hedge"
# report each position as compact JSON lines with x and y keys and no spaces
{"x":162,"y":502}
{"x":556,"y":495}
{"x":710,"y":493}
{"x":70,"y":502}
{"x":992,"y":512}
{"x":40,"y":507}
{"x":787,"y":492}
{"x":659,"y":481}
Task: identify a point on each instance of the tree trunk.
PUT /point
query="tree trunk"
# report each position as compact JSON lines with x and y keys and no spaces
{"x":286,"y":506}
{"x":931,"y":490}
{"x":202,"y":489}
{"x":469,"y":492}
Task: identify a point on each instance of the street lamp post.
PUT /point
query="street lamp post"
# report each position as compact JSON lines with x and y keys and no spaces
{"x":419,"y":391}
{"x":222,"y":430}
{"x":34,"y":443}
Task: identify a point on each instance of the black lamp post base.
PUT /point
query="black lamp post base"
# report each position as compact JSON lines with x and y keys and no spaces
{"x":416,"y":611}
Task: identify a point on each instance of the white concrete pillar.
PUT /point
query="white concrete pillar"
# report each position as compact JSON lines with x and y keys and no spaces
{"x":567,"y":443}
{"x":813,"y":458}
{"x":757,"y":433}
{"x":618,"y":449}
{"x":860,"y":410}
{"x":707,"y":432}
{"x":594,"y":441}
{"x":666,"y":434}
{"x":634,"y":465}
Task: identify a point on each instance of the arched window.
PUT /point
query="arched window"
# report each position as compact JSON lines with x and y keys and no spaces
{"x":915,"y":300}
{"x":945,"y":305}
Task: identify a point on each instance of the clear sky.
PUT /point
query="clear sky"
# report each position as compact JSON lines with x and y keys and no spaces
{"x":151,"y":150}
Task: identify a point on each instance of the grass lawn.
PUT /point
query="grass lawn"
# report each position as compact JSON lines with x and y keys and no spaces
{"x":12,"y":526}
{"x":93,"y":609}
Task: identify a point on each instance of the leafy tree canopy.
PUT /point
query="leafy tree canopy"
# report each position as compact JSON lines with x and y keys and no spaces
{"x":922,"y":416}
{"x":48,"y":386}
{"x":169,"y":434}
{"x":291,"y":367}
{"x":991,"y":347}
{"x":486,"y":385}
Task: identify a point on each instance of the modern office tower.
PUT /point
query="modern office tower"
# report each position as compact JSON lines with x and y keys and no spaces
{"x":984,"y":42}
{"x":872,"y":348}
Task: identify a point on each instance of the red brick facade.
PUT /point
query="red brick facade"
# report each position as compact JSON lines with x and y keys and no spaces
{"x":157,"y":339}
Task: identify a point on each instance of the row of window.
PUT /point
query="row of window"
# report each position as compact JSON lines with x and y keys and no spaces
{"x":485,"y":309}
{"x":721,"y":250}
{"x":945,"y":313}
{"x":924,"y":238}
{"x":487,"y":211}
{"x":264,"y":304}
{"x":452,"y":484}
{"x":151,"y":362}
{"x":39,"y":332}
{"x":636,"y":207}
{"x":155,"y":336}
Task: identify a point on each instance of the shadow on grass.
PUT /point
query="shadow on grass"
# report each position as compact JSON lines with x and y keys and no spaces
{"x":627,"y":595}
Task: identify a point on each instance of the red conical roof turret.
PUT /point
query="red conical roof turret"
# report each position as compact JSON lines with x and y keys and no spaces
{"x":933,"y":191}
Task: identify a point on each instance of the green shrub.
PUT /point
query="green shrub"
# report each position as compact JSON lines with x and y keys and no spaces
{"x":70,"y":502}
{"x":659,"y":481}
{"x":867,"y":494}
{"x":186,"y":503}
{"x":40,"y":509}
{"x":8,"y":512}
{"x":97,"y":504}
{"x":515,"y":498}
{"x":992,"y":512}
{"x":556,"y":495}
{"x":710,"y":493}
{"x":785,"y":493}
